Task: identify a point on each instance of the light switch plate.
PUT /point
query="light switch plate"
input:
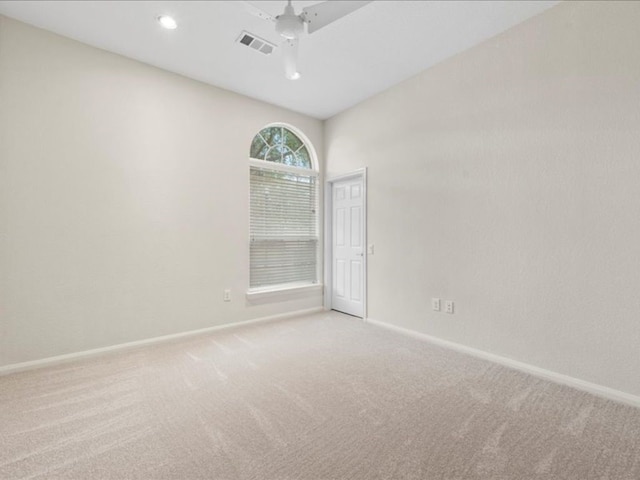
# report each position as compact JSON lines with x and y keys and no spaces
{"x":435,"y":304}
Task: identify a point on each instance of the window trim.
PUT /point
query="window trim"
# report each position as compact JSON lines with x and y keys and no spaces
{"x":265,"y":294}
{"x":292,"y":291}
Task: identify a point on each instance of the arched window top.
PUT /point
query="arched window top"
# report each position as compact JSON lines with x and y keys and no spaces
{"x":280,"y":145}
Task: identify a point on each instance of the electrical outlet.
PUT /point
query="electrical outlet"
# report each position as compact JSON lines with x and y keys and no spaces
{"x":449,"y":306}
{"x":435,"y":304}
{"x":226,"y":295}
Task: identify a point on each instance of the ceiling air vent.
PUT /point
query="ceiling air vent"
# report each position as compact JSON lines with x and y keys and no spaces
{"x":258,"y":44}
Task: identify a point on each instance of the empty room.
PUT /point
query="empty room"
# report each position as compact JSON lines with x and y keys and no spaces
{"x":313,"y":240}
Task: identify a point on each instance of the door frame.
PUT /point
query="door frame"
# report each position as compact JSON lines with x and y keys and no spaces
{"x":328,"y":236}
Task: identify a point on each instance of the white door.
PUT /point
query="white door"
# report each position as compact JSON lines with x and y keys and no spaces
{"x":347,"y":264}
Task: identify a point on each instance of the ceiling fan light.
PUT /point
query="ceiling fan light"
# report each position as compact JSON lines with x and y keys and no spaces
{"x":167,"y":22}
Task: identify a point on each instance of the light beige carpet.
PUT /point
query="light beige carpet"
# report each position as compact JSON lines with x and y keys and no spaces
{"x":321,"y":397}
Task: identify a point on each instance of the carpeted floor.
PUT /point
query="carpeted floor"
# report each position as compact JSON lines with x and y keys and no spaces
{"x":320,"y":397}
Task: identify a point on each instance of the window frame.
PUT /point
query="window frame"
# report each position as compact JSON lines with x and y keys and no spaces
{"x":291,"y":291}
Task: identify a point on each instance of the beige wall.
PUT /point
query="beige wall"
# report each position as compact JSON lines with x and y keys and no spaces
{"x":123,"y":198}
{"x":508,"y":180}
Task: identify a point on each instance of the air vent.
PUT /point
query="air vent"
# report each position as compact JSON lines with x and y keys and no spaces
{"x":257,"y":43}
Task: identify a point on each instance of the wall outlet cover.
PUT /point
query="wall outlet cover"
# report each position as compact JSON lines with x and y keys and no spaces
{"x":449,"y":306}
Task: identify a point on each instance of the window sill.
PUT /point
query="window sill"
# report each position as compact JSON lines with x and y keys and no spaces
{"x":277,"y":294}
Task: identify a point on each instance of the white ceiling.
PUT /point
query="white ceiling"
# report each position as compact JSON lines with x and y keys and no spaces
{"x":344,"y":63}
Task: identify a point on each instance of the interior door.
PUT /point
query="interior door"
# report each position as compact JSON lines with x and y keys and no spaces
{"x":348,"y":250}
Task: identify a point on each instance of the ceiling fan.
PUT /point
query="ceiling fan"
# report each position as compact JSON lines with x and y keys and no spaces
{"x":290,"y":26}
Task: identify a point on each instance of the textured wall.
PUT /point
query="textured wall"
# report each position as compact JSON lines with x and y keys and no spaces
{"x":123,"y":198}
{"x":507,"y":179}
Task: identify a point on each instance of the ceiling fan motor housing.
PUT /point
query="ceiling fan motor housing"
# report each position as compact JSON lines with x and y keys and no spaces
{"x":289,"y":25}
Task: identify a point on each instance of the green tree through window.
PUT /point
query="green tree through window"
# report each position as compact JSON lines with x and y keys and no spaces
{"x":280,"y":145}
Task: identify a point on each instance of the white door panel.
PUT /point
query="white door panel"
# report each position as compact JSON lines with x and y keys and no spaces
{"x":347,"y":247}
{"x":356,"y":225}
{"x":340,"y":279}
{"x":340,"y":226}
{"x":356,"y":281}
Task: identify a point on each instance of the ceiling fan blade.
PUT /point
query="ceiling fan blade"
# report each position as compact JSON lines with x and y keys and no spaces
{"x":258,"y":12}
{"x":290,"y":56}
{"x":322,"y":14}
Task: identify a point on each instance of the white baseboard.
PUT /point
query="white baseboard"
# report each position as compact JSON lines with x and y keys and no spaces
{"x":59,"y":359}
{"x":599,"y":390}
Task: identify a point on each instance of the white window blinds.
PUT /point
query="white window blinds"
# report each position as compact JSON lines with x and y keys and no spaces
{"x":283,"y":228}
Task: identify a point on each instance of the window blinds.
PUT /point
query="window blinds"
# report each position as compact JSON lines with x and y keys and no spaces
{"x":283,"y":228}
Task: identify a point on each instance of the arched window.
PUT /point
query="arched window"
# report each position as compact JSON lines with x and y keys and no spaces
{"x":280,"y":145}
{"x":284,"y":210}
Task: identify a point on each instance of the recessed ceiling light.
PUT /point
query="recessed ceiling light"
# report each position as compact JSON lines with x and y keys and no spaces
{"x":167,"y":22}
{"x":294,"y":76}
